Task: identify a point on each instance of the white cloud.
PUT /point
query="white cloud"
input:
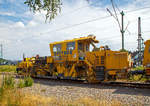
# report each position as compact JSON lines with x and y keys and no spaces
{"x":32,"y":24}
{"x":34,"y":37}
{"x":7,"y":13}
{"x":18,"y":25}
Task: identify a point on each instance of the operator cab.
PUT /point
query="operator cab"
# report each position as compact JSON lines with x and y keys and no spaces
{"x":84,"y":45}
{"x":72,"y":50}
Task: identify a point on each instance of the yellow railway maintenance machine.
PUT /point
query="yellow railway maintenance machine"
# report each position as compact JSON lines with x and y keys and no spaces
{"x":72,"y":59}
{"x":146,"y":59}
{"x":34,"y":66}
{"x":24,"y":66}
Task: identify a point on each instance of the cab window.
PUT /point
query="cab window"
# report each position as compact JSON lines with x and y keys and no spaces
{"x":71,"y":46}
{"x":87,"y":47}
{"x":57,"y":48}
{"x":80,"y":46}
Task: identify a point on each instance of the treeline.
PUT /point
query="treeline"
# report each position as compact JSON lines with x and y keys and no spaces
{"x":7,"y":62}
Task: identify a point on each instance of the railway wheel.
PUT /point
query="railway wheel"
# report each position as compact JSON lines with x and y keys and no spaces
{"x":91,"y":78}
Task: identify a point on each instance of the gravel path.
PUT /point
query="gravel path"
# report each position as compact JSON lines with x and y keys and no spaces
{"x":74,"y":91}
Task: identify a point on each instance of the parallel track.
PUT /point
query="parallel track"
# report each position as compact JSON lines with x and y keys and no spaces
{"x":128,"y":84}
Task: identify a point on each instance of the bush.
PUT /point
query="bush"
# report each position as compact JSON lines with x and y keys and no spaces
{"x":21,"y":84}
{"x":8,"y":82}
{"x":123,"y":50}
{"x":28,"y":81}
{"x":9,"y":95}
{"x":138,"y":68}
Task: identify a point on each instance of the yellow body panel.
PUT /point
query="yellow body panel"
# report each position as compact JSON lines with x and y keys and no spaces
{"x":49,"y":59}
{"x":96,"y":58}
{"x":146,"y":59}
{"x":116,"y":60}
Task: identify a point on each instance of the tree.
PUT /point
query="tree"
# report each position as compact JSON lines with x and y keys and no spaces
{"x":52,"y":7}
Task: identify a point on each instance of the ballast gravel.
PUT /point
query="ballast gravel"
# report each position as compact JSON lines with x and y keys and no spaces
{"x":74,"y":91}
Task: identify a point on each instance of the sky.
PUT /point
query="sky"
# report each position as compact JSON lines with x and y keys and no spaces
{"x":22,"y":31}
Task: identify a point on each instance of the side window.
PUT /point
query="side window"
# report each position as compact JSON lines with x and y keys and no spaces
{"x":87,"y":47}
{"x":80,"y":46}
{"x":149,"y":49}
{"x":71,"y":46}
{"x":57,"y":48}
{"x":54,"y":49}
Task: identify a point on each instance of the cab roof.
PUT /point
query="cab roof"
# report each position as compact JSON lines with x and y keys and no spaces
{"x":88,"y":38}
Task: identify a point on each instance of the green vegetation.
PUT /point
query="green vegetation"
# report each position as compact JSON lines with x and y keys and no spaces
{"x":21,"y":84}
{"x":138,"y":68}
{"x":52,"y":7}
{"x":9,"y":94}
{"x":123,"y":50}
{"x":28,"y":81}
{"x":2,"y":60}
{"x":7,"y":68}
{"x":135,"y":77}
{"x":8,"y":82}
{"x":138,"y":77}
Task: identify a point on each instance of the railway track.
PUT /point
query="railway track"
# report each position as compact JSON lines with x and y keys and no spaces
{"x":128,"y":84}
{"x":109,"y":83}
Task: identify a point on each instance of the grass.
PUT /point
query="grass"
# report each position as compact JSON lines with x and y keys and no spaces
{"x":138,"y":68}
{"x":9,"y":92}
{"x":7,"y":68}
{"x":8,"y":82}
{"x":28,"y":81}
{"x":27,"y":99}
{"x":21,"y":84}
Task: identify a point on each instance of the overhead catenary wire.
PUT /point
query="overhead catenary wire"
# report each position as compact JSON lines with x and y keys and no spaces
{"x":92,"y":20}
{"x":125,"y":17}
{"x":99,"y":18}
{"x":88,"y":21}
{"x":115,"y":16}
{"x":100,"y":30}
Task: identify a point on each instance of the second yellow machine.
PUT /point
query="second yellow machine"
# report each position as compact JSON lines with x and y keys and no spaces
{"x":74,"y":59}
